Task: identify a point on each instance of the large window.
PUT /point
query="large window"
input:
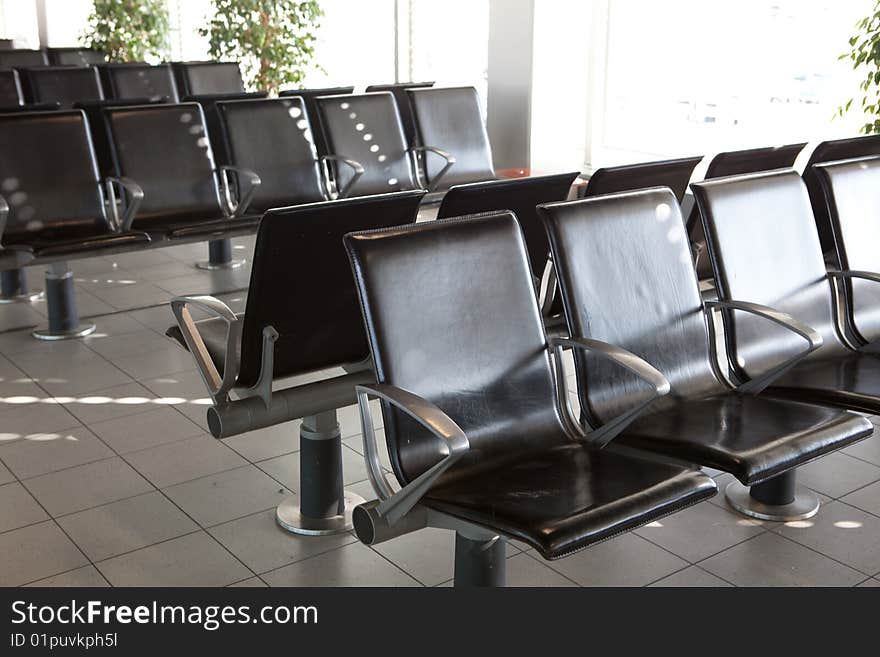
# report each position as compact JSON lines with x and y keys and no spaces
{"x":690,"y":76}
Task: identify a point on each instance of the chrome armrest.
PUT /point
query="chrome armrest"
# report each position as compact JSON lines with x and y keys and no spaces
{"x":550,"y":291}
{"x":393,"y":506}
{"x":237,"y":209}
{"x":218,"y":386}
{"x":604,"y":434}
{"x":812,"y":337}
{"x":854,"y":273}
{"x":4,"y":215}
{"x":697,"y":251}
{"x":135,"y":194}
{"x":450,"y":160}
{"x":356,"y":166}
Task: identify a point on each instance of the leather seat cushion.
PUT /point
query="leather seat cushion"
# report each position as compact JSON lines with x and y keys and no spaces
{"x":213,"y":332}
{"x":569,"y":497}
{"x":216,"y":229}
{"x":96,"y":244}
{"x":851,"y":381}
{"x":753,"y":438}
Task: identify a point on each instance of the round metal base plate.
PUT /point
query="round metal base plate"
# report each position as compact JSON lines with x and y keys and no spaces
{"x":79,"y":332}
{"x":291,"y":518}
{"x":22,"y":298}
{"x":210,"y":266}
{"x":805,"y":504}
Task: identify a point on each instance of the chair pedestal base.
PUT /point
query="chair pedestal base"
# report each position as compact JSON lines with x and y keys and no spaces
{"x":13,"y":288}
{"x":220,"y":257}
{"x":290,"y":517}
{"x":323,"y":507}
{"x":64,"y":321}
{"x":479,"y":563}
{"x":778,"y":500}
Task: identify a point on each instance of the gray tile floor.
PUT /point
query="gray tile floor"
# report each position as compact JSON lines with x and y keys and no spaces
{"x":108,"y":476}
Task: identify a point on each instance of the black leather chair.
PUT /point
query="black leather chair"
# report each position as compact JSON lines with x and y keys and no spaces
{"x":368,"y":152}
{"x":474,"y":423}
{"x":734,"y":163}
{"x":212,"y":119}
{"x":10,"y":89}
{"x":12,"y":258}
{"x":137,"y":80}
{"x":165,"y":151}
{"x":829,"y":151}
{"x":22,"y":58}
{"x":449,"y":127}
{"x":63,"y":85}
{"x":852,"y":199}
{"x":302,"y":315}
{"x":312,"y":113}
{"x":207,"y":78}
{"x":272,"y":138}
{"x":521,"y":196}
{"x":626,"y":276}
{"x":398,"y":90}
{"x":674,"y":174}
{"x":781,"y":262}
{"x":58,"y":205}
{"x":76,"y":56}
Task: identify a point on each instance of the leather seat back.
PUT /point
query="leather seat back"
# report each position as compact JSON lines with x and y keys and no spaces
{"x":407,"y":117}
{"x":450,"y":118}
{"x":674,"y":174}
{"x":367,"y":128}
{"x":49,"y":177}
{"x":76,"y":56}
{"x":10,"y":88}
{"x":165,"y":150}
{"x":309,"y":97}
{"x":22,"y":58}
{"x":201,"y":78}
{"x":274,"y":139}
{"x":626,"y":277}
{"x":830,"y":151}
{"x":64,"y":85}
{"x":519,"y":195}
{"x":301,"y":283}
{"x":132,"y":81}
{"x":451,"y":315}
{"x":208,"y":103}
{"x":735,"y":163}
{"x":852,"y":193}
{"x":764,"y":248}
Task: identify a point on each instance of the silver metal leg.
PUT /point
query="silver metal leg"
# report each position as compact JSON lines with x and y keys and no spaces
{"x":220,"y":257}
{"x":779,"y":499}
{"x":64,"y":321}
{"x":322,"y":507}
{"x":479,"y":563}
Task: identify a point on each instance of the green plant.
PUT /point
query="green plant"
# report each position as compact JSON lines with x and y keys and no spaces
{"x":865,"y":53}
{"x":128,"y":30}
{"x":274,"y":39}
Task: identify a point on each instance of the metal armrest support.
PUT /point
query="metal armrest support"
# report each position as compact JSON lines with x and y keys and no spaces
{"x":356,"y":166}
{"x":218,"y":387}
{"x":4,"y":215}
{"x":550,"y":291}
{"x":450,"y":160}
{"x":604,"y":434}
{"x":135,"y":197}
{"x":814,"y":340}
{"x":237,"y":209}
{"x":393,"y":506}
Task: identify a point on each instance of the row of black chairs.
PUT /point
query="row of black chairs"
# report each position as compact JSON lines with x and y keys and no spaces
{"x":11,"y":57}
{"x":477,"y":425}
{"x":139,"y":176}
{"x":64,"y":86}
